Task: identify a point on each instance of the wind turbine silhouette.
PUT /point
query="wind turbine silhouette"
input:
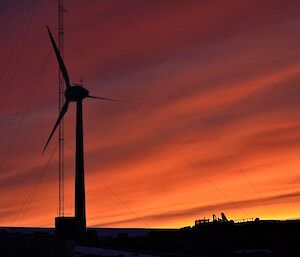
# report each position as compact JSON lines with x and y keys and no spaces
{"x":75,"y":93}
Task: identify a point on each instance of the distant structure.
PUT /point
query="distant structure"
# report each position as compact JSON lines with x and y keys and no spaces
{"x":201,"y":221}
{"x":73,"y":227}
{"x":222,"y":220}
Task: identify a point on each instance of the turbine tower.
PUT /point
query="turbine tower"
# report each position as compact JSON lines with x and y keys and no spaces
{"x":73,"y":93}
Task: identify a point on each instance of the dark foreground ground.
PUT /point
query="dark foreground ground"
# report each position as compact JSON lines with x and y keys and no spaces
{"x":261,"y":239}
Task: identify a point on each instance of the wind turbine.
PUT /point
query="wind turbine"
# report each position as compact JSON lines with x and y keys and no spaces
{"x":74,"y":93}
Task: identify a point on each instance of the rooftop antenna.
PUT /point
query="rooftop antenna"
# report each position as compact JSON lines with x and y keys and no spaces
{"x":73,"y":93}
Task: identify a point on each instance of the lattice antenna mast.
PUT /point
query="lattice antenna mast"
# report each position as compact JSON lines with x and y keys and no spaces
{"x":61,"y":99}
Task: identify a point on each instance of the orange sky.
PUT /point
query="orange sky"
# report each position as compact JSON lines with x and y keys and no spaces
{"x":210,"y":121}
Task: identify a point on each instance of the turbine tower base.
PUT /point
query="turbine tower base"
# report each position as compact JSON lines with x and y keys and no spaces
{"x":69,"y":228}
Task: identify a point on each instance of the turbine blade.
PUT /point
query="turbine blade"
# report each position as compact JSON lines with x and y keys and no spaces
{"x":103,"y":98}
{"x":60,"y":60}
{"x":61,"y":115}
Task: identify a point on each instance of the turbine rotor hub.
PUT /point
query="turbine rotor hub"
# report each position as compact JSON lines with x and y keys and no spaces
{"x":76,"y":93}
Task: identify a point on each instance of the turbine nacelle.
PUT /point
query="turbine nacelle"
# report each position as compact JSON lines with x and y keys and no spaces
{"x":76,"y":93}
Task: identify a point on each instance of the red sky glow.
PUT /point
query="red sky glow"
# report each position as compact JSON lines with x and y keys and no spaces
{"x":210,"y":121}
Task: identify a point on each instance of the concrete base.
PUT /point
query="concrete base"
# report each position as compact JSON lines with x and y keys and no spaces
{"x":68,"y":228}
